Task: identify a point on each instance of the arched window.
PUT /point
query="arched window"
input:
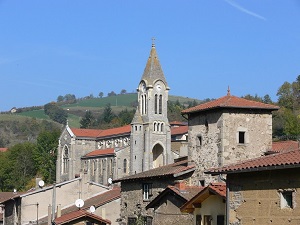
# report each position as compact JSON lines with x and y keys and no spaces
{"x":125,"y":166}
{"x":145,"y":104}
{"x":160,"y":104}
{"x":65,"y":159}
{"x":161,"y":127}
{"x":155,"y":104}
{"x":154,"y":126}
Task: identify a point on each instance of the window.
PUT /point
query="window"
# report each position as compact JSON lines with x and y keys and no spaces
{"x":125,"y":166}
{"x":132,"y":220}
{"x":65,"y":168}
{"x":160,"y":104}
{"x":202,"y":183}
{"x":148,"y":220}
{"x":286,"y":199}
{"x":220,"y":219}
{"x":198,"y":219}
{"x":207,"y":220}
{"x":147,"y":191}
{"x":155,"y":104}
{"x":199,"y":140}
{"x":241,"y":137}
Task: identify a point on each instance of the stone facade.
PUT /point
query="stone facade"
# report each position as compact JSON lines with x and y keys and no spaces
{"x":214,"y":138}
{"x":257,"y":197}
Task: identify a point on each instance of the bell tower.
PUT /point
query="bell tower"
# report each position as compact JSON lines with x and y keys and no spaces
{"x":150,"y":128}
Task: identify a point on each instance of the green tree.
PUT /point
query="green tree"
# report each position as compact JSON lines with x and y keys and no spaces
{"x":45,"y":154}
{"x":60,"y":98}
{"x":291,"y":124}
{"x":123,"y":92}
{"x":101,"y":94}
{"x":88,"y":120}
{"x":107,"y":115}
{"x":112,"y":93}
{"x":285,"y":95}
{"x":267,"y":99}
{"x":56,"y":113}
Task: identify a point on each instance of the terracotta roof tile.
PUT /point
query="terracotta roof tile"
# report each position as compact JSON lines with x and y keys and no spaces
{"x":3,"y":149}
{"x":230,"y":101}
{"x":99,"y":152}
{"x":179,"y":130}
{"x":283,"y":146}
{"x":188,"y":192}
{"x":116,"y":131}
{"x":167,"y":170}
{"x":86,"y":132}
{"x":178,"y":123}
{"x":275,"y":161}
{"x":67,"y":218}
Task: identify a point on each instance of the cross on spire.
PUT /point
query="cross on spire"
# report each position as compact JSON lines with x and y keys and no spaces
{"x":153,"y":42}
{"x":228,"y":91}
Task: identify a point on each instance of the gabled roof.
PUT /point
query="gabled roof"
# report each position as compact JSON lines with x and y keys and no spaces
{"x":75,"y":215}
{"x":284,"y":146}
{"x":174,"y":170}
{"x":185,"y":195}
{"x":80,"y":132}
{"x":212,"y":189}
{"x":115,"y":131}
{"x":230,"y":101}
{"x":153,"y":70}
{"x":4,"y":196}
{"x":179,"y":130}
{"x":277,"y":161}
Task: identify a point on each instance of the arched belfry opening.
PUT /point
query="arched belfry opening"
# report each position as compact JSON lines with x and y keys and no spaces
{"x":158,"y":156}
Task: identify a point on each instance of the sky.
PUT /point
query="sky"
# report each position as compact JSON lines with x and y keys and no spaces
{"x":59,"y":47}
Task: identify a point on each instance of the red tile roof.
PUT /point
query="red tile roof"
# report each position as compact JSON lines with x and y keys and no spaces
{"x":99,"y":152}
{"x":116,"y":131}
{"x":179,"y":130}
{"x":3,"y":149}
{"x":290,"y":159}
{"x":178,"y":123}
{"x":212,"y":189}
{"x":67,"y":218}
{"x":230,"y":101}
{"x":283,"y":146}
{"x":167,"y":170}
{"x":86,"y":132}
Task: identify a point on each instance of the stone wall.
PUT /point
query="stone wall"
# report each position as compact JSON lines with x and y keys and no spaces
{"x":214,"y":138}
{"x":255,"y":197}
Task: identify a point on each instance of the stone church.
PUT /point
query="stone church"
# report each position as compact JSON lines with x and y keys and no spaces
{"x":110,"y":154}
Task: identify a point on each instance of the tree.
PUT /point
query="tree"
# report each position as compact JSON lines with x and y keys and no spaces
{"x":56,"y":113}
{"x":101,"y":94}
{"x":123,"y":92}
{"x":267,"y":99}
{"x":60,"y":98}
{"x":107,"y":115}
{"x":45,"y":154}
{"x":112,"y":93}
{"x":285,"y":95}
{"x":88,"y":120}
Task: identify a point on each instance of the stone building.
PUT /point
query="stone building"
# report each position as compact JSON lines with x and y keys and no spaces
{"x":227,"y":130}
{"x":263,"y":190}
{"x":114,"y":153}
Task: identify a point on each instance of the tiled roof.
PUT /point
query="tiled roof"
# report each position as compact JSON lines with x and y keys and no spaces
{"x":67,"y":218}
{"x":212,"y":189}
{"x":283,"y":146}
{"x":94,"y":133}
{"x":179,"y":130}
{"x":167,"y":170}
{"x":86,"y":132}
{"x":230,"y":101}
{"x":3,"y":149}
{"x":178,"y":123}
{"x":115,"y":131}
{"x":4,"y":196}
{"x":290,"y":159}
{"x":99,"y":152}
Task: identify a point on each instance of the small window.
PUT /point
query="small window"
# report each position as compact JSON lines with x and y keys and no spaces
{"x":199,"y":140}
{"x":148,"y":220}
{"x":202,"y":183}
{"x":241,"y":137}
{"x":220,"y":219}
{"x":147,"y":191}
{"x":132,"y":220}
{"x":207,"y":220}
{"x":125,"y":166}
{"x":198,"y":219}
{"x":286,"y":199}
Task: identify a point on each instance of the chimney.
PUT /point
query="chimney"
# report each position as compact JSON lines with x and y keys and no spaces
{"x":180,"y":184}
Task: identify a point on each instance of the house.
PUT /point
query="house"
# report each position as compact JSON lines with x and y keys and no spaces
{"x":227,"y":130}
{"x":138,"y":190}
{"x":80,"y":217}
{"x":263,"y":190}
{"x":208,"y":205}
{"x":44,"y":203}
{"x":166,"y":205}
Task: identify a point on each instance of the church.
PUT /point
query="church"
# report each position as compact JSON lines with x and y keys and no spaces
{"x":150,"y":141}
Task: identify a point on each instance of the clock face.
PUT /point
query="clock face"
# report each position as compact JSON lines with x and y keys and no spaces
{"x":158,"y":87}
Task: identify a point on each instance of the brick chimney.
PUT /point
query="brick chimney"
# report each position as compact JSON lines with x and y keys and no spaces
{"x":180,"y":184}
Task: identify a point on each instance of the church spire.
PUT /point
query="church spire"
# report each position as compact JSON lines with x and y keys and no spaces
{"x":153,"y":71}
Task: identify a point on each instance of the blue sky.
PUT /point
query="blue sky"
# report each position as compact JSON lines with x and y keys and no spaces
{"x":58,"y":47}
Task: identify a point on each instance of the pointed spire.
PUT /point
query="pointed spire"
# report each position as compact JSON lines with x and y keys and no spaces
{"x":137,"y":118}
{"x":228,"y":91}
{"x":153,"y":70}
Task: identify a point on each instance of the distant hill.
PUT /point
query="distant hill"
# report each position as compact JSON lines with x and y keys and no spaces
{"x":25,"y":125}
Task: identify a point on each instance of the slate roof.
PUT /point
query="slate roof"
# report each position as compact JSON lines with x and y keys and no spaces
{"x":230,"y":101}
{"x":284,"y":160}
{"x":212,"y":189}
{"x":179,"y":130}
{"x":67,"y":218}
{"x":153,"y":70}
{"x":168,"y":170}
{"x":99,"y":152}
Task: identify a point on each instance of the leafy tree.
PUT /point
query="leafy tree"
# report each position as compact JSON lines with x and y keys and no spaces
{"x":45,"y":154}
{"x":70,"y":98}
{"x":107,"y":115}
{"x":291,"y":124}
{"x":253,"y":98}
{"x":285,"y":95}
{"x":123,"y":92}
{"x":112,"y":93}
{"x":101,"y":94}
{"x":60,"y":98}
{"x":267,"y":99}
{"x":125,"y":116}
{"x":56,"y":113}
{"x":88,"y":120}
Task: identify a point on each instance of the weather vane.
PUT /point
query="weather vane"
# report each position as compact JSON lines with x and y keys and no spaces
{"x":153,"y":42}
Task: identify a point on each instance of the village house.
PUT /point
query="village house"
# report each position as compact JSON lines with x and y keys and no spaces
{"x":208,"y":205}
{"x":263,"y":190}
